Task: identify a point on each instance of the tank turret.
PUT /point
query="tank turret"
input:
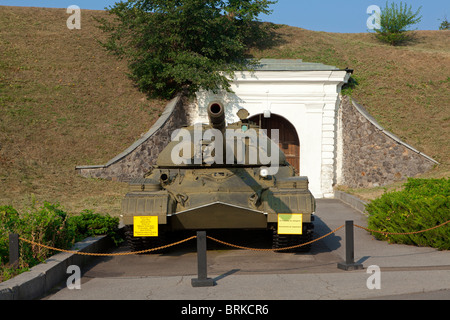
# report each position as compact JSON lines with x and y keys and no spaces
{"x":216,"y":176}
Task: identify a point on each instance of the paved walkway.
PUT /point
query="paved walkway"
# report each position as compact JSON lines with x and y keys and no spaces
{"x":405,"y":271}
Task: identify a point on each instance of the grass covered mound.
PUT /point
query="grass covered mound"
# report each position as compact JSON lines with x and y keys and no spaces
{"x":64,"y":101}
{"x":422,"y":204}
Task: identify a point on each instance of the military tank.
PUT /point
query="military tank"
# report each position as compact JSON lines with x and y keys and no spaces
{"x":216,"y":176}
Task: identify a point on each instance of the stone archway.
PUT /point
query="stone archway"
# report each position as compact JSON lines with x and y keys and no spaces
{"x":289,"y":142}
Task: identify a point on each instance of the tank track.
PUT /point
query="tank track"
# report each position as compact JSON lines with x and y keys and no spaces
{"x":280,"y":241}
{"x":145,"y":243}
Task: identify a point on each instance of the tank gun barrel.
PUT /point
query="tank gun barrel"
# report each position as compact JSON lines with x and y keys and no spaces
{"x":216,"y":115}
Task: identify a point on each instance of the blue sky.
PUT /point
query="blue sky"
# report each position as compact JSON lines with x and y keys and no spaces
{"x":324,"y":15}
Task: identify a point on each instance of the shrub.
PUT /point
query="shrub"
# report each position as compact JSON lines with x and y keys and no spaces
{"x":395,"y":21}
{"x":445,"y":25}
{"x":49,"y":225}
{"x":88,"y":223}
{"x":423,"y":204}
{"x":9,"y":219}
{"x":46,"y":225}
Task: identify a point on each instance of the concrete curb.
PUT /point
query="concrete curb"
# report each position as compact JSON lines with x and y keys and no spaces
{"x":41,"y":278}
{"x":352,"y":201}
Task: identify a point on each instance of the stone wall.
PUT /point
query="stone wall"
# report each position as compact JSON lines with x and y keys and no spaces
{"x":372,"y":156}
{"x":141,"y":155}
{"x":366,"y":155}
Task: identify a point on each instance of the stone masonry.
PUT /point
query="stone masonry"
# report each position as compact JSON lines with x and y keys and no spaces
{"x":371,"y":155}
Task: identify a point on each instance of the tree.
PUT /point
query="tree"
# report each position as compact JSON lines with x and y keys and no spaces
{"x":445,"y":25}
{"x":171,"y":45}
{"x":395,"y":22}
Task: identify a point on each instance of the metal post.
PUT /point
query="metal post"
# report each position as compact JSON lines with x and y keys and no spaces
{"x":14,"y":250}
{"x":202,"y":280}
{"x":349,"y":249}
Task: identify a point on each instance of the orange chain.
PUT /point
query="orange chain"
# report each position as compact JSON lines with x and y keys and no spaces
{"x":402,"y":233}
{"x":279,"y":249}
{"x":109,"y":254}
{"x":226,"y":243}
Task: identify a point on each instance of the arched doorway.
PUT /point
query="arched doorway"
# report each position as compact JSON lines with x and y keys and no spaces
{"x":289,"y":142}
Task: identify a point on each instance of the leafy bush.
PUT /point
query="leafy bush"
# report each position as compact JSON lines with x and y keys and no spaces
{"x":88,"y":223}
{"x":423,"y":204}
{"x":45,"y":225}
{"x":51,"y":226}
{"x":9,"y":219}
{"x":395,"y":21}
{"x":445,"y":24}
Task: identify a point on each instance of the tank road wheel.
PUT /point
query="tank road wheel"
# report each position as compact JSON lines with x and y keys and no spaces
{"x":284,"y":240}
{"x":145,"y":243}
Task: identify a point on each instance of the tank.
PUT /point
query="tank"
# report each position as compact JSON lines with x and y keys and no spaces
{"x":214,"y":177}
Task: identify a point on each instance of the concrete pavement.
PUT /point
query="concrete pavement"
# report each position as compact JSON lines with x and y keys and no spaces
{"x":405,"y":271}
{"x":321,"y":286}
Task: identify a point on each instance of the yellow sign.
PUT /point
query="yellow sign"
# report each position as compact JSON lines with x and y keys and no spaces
{"x":290,"y":223}
{"x":145,"y":226}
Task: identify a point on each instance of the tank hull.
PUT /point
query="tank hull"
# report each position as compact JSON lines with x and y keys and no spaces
{"x":202,"y":199}
{"x":187,"y":191}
